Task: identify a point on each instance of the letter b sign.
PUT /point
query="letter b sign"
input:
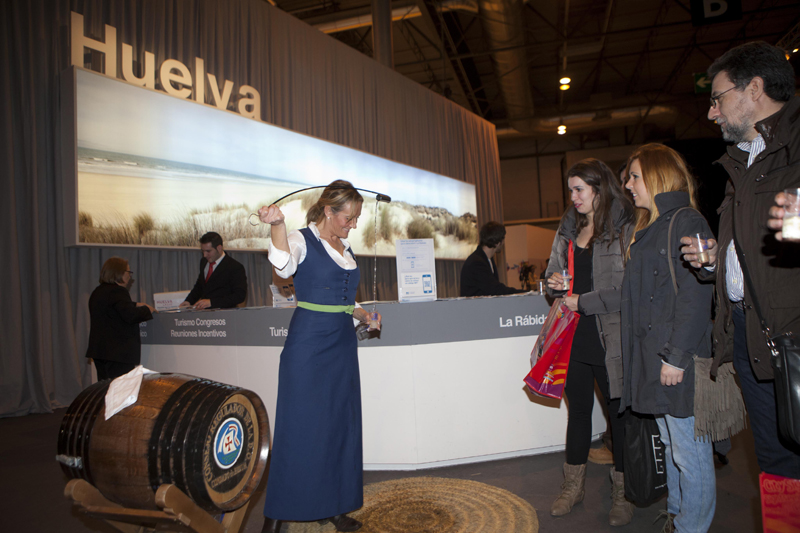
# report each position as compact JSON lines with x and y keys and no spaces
{"x":713,"y":11}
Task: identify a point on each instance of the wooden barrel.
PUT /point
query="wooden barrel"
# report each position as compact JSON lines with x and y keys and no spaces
{"x":209,"y":439}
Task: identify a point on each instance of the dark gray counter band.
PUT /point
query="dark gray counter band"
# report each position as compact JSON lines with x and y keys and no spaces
{"x":404,"y":324}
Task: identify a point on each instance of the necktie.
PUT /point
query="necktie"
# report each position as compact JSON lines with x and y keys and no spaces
{"x":210,"y":270}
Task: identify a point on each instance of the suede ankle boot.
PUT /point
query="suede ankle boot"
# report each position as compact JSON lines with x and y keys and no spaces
{"x":572,"y":490}
{"x":621,"y":509}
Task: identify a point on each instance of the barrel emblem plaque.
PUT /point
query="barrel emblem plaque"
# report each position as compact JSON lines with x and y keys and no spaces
{"x":229,"y":447}
{"x":228,"y":443}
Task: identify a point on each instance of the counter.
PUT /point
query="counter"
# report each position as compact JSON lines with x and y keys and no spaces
{"x":441,"y":385}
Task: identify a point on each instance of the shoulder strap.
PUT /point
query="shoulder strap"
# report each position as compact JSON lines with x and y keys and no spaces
{"x":571,"y":267}
{"x":669,"y":246}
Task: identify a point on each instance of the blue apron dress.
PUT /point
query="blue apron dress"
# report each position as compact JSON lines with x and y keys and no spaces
{"x":316,"y":468}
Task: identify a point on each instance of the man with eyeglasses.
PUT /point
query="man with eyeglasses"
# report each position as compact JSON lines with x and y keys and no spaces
{"x":753,"y":102}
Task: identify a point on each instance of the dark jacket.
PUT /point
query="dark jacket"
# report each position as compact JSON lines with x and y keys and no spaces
{"x":227,"y":286}
{"x":774,"y":266}
{"x":657,"y":325}
{"x":114,"y":325}
{"x":479,"y":278}
{"x":608,"y":269}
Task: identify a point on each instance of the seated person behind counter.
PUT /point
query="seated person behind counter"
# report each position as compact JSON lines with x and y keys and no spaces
{"x":222,"y":282}
{"x":479,"y":273}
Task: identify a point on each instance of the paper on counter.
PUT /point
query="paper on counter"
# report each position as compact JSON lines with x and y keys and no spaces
{"x":124,"y":390}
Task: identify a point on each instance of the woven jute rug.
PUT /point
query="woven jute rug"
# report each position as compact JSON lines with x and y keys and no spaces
{"x":436,"y":505}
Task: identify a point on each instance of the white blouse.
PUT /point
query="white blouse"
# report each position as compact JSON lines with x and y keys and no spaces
{"x":286,"y":264}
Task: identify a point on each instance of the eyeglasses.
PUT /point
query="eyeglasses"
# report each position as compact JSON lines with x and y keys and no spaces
{"x":715,"y":99}
{"x":129,"y":271}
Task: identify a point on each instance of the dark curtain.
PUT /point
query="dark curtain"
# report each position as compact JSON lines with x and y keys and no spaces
{"x":308,"y":82}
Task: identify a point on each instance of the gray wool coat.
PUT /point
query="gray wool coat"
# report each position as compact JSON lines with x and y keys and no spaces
{"x":608,"y":269}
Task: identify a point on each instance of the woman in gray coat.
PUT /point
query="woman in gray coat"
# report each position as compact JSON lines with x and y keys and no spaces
{"x":597,"y":226}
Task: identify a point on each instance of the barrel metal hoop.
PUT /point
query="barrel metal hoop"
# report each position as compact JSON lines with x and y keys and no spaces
{"x":165,"y":452}
{"x":76,"y":428}
{"x":163,"y":426}
{"x":97,"y":408}
{"x":169,"y":452}
{"x":66,"y":431}
{"x":177,"y":436}
{"x":193,"y":443}
{"x":68,"y":428}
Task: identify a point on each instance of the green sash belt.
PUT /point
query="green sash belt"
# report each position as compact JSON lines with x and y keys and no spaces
{"x":327,"y":308}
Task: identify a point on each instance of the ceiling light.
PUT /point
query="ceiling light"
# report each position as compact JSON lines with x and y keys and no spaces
{"x":564,"y":81}
{"x":564,"y":87}
{"x":562,"y":130}
{"x":795,"y":50}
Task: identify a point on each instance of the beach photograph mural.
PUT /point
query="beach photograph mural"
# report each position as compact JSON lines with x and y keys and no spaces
{"x":155,"y":170}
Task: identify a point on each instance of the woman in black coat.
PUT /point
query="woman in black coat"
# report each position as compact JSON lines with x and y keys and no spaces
{"x":665,"y":326}
{"x":114,"y":342}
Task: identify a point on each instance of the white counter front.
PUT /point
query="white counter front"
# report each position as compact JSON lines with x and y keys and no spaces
{"x":442,"y":385}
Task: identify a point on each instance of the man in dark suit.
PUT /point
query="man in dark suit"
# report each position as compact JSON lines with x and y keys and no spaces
{"x":222,"y":282}
{"x":479,"y":274}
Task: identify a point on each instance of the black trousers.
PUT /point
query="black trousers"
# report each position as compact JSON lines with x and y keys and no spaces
{"x":775,"y":456}
{"x":111,"y":369}
{"x":580,"y":397}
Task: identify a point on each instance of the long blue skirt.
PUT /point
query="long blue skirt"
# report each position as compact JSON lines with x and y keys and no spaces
{"x":316,"y":468}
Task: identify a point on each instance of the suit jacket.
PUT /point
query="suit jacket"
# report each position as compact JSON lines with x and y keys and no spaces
{"x":480,"y":278}
{"x":227,"y":286}
{"x":114,"y":325}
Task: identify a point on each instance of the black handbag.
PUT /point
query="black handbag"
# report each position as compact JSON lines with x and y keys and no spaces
{"x":785,"y":350}
{"x":644,"y":456}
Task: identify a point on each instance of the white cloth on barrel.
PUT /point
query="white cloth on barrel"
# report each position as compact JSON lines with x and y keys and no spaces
{"x":124,"y":390}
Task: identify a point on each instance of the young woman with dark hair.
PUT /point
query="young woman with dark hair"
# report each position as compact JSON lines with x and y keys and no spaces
{"x":597,"y":226}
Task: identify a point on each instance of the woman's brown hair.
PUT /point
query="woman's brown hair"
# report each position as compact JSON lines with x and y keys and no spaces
{"x":607,"y":188}
{"x":113,"y":270}
{"x":336,"y":196}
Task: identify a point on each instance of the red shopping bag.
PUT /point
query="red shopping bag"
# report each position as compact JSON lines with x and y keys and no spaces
{"x":779,"y":498}
{"x":549,"y":375}
{"x":550,"y":354}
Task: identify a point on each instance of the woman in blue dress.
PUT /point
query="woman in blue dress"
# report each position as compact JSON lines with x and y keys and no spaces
{"x":316,"y":469}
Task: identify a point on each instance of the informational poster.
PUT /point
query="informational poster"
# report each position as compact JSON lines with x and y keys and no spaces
{"x":416,"y":270}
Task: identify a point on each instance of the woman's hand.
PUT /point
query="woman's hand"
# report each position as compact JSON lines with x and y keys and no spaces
{"x":271,"y":215}
{"x":556,"y":281}
{"x":670,"y":375}
{"x":572,"y":302}
{"x":365,"y":316}
{"x":689,"y":251}
{"x":150,"y":307}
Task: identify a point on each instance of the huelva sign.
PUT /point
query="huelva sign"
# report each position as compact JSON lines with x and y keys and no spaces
{"x":172,"y":76}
